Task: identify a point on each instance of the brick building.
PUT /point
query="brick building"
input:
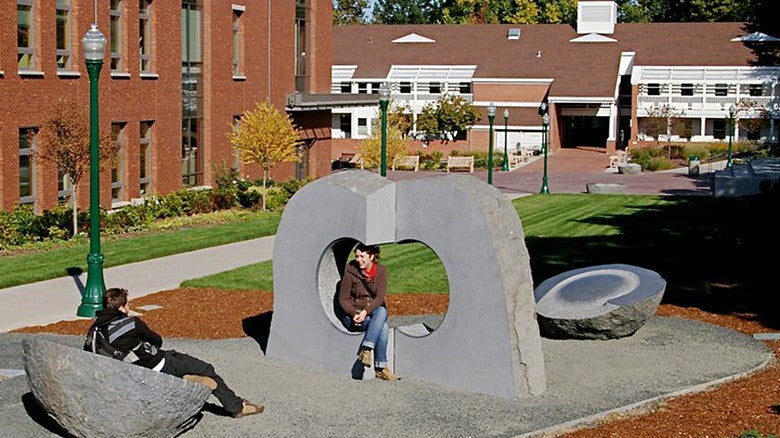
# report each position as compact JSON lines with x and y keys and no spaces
{"x":176,"y":75}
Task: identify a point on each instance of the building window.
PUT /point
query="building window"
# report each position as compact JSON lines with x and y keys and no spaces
{"x":25,"y":35}
{"x":434,"y":87}
{"x":192,"y":92}
{"x":375,"y":87}
{"x":653,"y":89}
{"x":145,"y":157}
{"x":115,"y":38}
{"x":117,"y":163}
{"x":362,"y":126}
{"x":238,"y":45}
{"x":145,"y":35}
{"x":465,"y":87}
{"x":63,"y":35}
{"x":686,"y":89}
{"x":405,"y":88}
{"x":756,"y":90}
{"x":345,"y":125}
{"x":346,"y":87}
{"x":362,"y":88}
{"x":64,"y":188}
{"x":721,"y":90}
{"x":26,"y":165}
{"x":301,"y":42}
{"x":719,"y":129}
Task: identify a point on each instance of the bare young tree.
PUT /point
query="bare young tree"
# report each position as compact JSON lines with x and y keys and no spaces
{"x":64,"y":142}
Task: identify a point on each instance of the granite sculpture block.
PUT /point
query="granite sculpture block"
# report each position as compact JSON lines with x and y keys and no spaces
{"x":477,"y":235}
{"x":95,"y":396}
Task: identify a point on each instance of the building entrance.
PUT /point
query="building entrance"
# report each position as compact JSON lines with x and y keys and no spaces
{"x":585,"y":131}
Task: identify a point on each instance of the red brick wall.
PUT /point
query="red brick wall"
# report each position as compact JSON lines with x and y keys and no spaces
{"x":27,"y":101}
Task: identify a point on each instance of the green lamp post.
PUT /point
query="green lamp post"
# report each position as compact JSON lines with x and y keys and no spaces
{"x":491,"y":111}
{"x":505,"y":166}
{"x":384,"y":99}
{"x":732,"y":113}
{"x":94,"y":43}
{"x":545,"y":123}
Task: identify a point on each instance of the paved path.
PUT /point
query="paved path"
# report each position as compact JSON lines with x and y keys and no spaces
{"x":54,"y":300}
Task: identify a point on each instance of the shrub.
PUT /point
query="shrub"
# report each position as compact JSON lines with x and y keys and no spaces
{"x":752,"y":433}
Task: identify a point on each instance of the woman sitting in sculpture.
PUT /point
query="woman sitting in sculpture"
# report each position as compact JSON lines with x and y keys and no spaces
{"x":362,"y":301}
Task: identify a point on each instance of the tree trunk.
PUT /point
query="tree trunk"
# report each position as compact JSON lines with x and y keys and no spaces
{"x":265,"y":177}
{"x":75,"y":211}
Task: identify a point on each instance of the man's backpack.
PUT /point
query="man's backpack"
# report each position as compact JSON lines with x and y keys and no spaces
{"x":99,"y":337}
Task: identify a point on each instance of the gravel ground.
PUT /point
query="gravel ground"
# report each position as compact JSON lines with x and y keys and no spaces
{"x":587,"y":380}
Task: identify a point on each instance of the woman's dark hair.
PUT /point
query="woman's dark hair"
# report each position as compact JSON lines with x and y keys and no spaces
{"x":371,"y":249}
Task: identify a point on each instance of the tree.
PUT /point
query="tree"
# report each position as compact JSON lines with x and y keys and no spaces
{"x":370,"y":150}
{"x":446,"y":117}
{"x":755,"y":115}
{"x":665,"y":120}
{"x":266,"y":137}
{"x":64,"y":142}
{"x":400,"y":117}
{"x":350,"y":11}
{"x":405,"y":12}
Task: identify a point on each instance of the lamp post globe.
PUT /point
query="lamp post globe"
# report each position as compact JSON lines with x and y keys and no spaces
{"x":384,"y":99}
{"x":505,"y":166}
{"x":94,"y":44}
{"x":491,"y":112}
{"x":732,"y":113}
{"x":545,"y":124}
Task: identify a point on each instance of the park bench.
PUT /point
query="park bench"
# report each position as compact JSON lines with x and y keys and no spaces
{"x":518,"y":158}
{"x":412,"y":162}
{"x":457,"y":162}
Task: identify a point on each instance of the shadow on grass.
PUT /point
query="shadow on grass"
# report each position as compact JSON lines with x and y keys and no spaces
{"x":716,"y":254}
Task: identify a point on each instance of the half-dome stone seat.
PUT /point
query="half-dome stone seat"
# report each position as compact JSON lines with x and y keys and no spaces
{"x":90,"y":395}
{"x":598,"y":302}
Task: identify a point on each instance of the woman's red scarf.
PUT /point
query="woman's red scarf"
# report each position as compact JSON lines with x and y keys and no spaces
{"x":368,"y":274}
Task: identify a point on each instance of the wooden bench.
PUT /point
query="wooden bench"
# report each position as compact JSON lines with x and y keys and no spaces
{"x":520,"y":157}
{"x":454,"y":162}
{"x":407,"y":161}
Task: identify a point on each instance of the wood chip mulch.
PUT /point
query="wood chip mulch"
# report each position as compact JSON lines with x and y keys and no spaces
{"x":726,"y":411}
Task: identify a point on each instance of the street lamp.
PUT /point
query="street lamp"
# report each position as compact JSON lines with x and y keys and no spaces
{"x":732,"y":113}
{"x":384,"y":99}
{"x":505,"y":167}
{"x":491,"y":116}
{"x":94,"y":44}
{"x":545,"y":123}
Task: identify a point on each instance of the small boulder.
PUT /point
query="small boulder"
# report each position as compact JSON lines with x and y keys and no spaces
{"x":629,"y":168}
{"x":95,"y":396}
{"x":598,"y":302}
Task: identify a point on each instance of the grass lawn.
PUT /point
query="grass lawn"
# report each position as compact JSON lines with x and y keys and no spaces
{"x":710,"y":251}
{"x":715,"y":254}
{"x":32,"y":266}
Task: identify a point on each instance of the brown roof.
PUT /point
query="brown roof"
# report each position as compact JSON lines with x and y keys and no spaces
{"x":543,"y":51}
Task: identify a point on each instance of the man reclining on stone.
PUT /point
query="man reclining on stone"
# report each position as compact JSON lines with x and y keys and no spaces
{"x":135,"y":342}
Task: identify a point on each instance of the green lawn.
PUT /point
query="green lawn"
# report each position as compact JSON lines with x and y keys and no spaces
{"x":715,"y":254}
{"x":118,"y":250}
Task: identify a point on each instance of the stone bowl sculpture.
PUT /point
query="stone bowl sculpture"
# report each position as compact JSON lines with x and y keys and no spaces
{"x":598,"y":302}
{"x":90,"y":395}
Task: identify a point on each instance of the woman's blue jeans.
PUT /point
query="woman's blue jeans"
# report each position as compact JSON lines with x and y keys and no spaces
{"x":375,"y":338}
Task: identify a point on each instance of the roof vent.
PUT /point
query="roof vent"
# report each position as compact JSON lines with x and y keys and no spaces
{"x":513,"y":33}
{"x":596,"y":17}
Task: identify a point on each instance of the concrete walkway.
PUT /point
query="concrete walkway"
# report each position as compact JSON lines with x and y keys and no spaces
{"x":55,"y":300}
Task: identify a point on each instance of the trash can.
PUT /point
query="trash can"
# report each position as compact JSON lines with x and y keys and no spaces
{"x":693,"y":165}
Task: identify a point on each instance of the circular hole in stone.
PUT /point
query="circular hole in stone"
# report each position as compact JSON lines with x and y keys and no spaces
{"x":418,"y":289}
